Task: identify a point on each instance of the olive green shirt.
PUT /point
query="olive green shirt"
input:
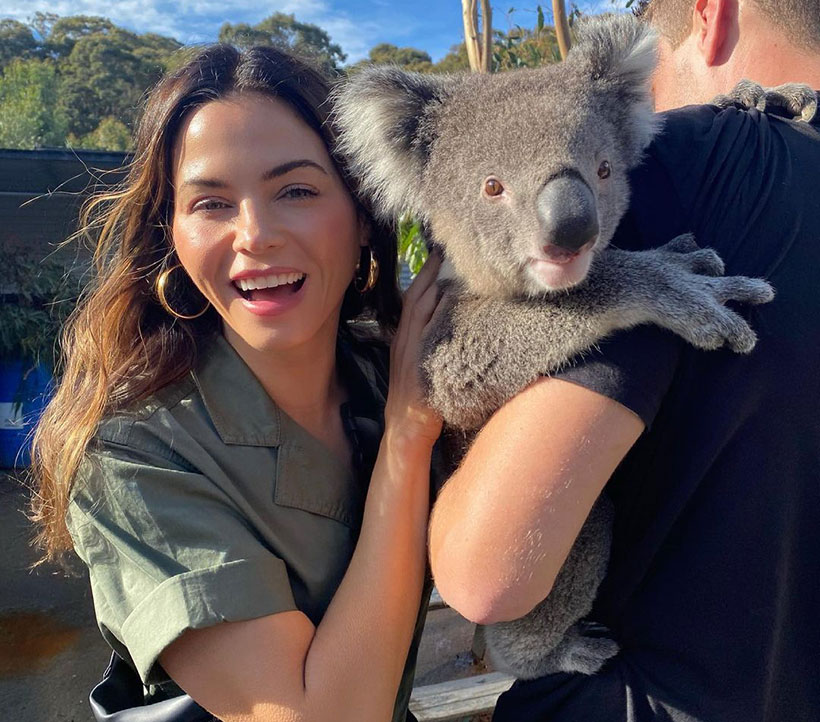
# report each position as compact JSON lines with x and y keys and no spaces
{"x":208,"y":504}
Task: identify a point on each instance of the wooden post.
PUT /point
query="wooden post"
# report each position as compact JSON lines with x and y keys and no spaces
{"x":559,"y":15}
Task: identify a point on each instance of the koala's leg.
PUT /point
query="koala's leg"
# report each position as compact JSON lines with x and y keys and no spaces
{"x":550,"y":639}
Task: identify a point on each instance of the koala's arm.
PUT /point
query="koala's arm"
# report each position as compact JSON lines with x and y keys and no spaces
{"x":480,"y":352}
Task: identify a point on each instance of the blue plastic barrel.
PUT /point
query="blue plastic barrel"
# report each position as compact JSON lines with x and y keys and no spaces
{"x":24,"y":392}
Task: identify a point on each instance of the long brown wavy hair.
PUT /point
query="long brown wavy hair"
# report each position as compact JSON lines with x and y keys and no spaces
{"x":119,"y":345}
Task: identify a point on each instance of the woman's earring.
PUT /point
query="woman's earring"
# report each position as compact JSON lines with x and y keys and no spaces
{"x":363,"y":286}
{"x":161,"y":283}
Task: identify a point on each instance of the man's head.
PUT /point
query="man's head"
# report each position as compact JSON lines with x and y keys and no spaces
{"x":707,"y":46}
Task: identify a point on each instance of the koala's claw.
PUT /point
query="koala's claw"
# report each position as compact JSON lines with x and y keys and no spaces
{"x":685,"y":253}
{"x":705,"y":262}
{"x":791,"y":100}
{"x":584,"y":655}
{"x":743,"y":290}
{"x":685,"y":243}
{"x":733,"y":330}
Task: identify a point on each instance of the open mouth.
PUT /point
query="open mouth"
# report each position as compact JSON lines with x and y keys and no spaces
{"x":270,"y":288}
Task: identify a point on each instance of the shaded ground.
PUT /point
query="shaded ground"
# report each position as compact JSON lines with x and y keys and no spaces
{"x":51,"y":652}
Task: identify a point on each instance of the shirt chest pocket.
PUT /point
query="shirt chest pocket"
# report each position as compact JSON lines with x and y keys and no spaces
{"x":309,"y":477}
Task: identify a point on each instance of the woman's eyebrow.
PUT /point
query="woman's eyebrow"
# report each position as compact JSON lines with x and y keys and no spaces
{"x":284,"y":168}
{"x":275,"y":172}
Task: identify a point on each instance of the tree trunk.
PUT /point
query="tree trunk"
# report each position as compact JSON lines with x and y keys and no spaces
{"x":559,"y":14}
{"x":479,"y":44}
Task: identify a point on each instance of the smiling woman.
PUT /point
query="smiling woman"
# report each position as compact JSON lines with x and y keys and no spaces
{"x":222,"y":451}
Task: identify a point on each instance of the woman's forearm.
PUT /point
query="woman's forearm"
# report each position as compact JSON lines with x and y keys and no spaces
{"x":355,"y":661}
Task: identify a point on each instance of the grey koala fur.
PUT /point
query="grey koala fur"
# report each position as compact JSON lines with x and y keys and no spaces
{"x":425,"y":144}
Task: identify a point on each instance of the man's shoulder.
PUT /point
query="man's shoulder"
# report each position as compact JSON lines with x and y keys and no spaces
{"x":697,"y":137}
{"x":730,"y":176}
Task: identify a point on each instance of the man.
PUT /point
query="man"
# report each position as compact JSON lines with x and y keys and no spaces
{"x":714,"y":581}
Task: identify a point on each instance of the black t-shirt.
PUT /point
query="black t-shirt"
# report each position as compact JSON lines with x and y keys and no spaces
{"x":713,"y":590}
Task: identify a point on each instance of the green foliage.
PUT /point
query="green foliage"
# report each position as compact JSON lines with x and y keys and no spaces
{"x":285,"y":31}
{"x":80,"y":74}
{"x":110,"y":134}
{"x":62,"y":34}
{"x":410,"y":59}
{"x":29,"y":117}
{"x":526,"y":47}
{"x":106,"y":74}
{"x":455,"y":61}
{"x":34,"y":307}
{"x":412,"y":249}
{"x":16,"y":41}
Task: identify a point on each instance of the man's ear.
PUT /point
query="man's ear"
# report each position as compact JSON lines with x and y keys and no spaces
{"x":616,"y":56}
{"x":715,"y":25}
{"x":386,"y":123}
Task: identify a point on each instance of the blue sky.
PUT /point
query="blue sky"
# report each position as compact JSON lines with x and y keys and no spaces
{"x":357,"y":25}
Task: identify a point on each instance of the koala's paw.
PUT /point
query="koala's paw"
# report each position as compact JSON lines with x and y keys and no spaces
{"x":791,"y":100}
{"x":583,"y":654}
{"x":706,"y":322}
{"x":685,"y":253}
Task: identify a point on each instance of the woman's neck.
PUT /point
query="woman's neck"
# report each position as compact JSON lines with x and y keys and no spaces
{"x":303,"y":381}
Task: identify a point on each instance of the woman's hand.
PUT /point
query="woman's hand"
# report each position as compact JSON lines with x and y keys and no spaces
{"x":407,"y":416}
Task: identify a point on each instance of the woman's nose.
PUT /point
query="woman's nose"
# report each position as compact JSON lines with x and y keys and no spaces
{"x":255,"y":231}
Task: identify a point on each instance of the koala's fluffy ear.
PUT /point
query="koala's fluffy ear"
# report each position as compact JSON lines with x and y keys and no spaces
{"x":621,"y":53}
{"x":386,"y":118}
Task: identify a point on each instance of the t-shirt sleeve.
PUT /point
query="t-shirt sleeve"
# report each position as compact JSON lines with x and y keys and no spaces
{"x":166,"y":551}
{"x":634,"y":368}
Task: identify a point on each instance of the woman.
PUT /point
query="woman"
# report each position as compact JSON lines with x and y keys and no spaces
{"x":195,"y":450}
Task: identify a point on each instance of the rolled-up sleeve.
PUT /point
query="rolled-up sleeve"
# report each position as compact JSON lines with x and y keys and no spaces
{"x":167,"y":551}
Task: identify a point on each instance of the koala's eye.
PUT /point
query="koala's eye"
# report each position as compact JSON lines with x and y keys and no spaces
{"x":604,"y":170}
{"x":493,"y":187}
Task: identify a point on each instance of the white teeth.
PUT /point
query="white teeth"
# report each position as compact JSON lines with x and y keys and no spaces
{"x":252,"y":284}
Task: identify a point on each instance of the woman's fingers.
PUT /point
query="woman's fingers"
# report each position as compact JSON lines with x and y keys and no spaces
{"x":426,"y":277}
{"x":419,"y":288}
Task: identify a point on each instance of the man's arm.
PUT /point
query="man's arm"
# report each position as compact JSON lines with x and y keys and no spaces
{"x":506,"y":520}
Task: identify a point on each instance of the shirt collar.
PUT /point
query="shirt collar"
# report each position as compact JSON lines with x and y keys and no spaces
{"x":239,"y":406}
{"x":241,"y":409}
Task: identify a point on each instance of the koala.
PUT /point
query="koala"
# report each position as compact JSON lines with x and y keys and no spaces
{"x":520,"y":179}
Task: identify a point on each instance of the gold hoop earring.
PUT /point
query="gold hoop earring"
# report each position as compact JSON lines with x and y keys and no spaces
{"x":372,"y":274}
{"x":161,"y":282}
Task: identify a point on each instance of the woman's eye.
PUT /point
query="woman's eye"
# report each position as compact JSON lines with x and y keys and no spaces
{"x":210,"y":204}
{"x":298,"y":192}
{"x":604,"y":170}
{"x":493,"y":187}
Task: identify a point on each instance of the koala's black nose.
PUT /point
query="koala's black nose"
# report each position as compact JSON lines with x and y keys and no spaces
{"x":567,"y":212}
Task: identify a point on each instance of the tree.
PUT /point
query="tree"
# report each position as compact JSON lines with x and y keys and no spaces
{"x":110,"y":134}
{"x":62,"y":34}
{"x":28,"y":105}
{"x":284,"y":31}
{"x":478,"y":41}
{"x":16,"y":41}
{"x":410,"y":59}
{"x":107,"y":74}
{"x":455,"y":61}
